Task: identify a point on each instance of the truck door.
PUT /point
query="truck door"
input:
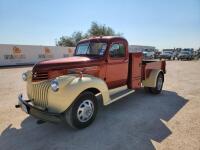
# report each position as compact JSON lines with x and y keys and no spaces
{"x":117,"y":66}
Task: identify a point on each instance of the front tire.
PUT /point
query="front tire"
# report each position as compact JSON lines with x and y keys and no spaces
{"x":83,"y":112}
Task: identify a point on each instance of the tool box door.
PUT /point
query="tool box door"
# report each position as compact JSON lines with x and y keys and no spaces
{"x":135,"y":70}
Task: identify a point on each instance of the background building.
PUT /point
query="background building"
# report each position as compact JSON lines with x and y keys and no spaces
{"x":30,"y":54}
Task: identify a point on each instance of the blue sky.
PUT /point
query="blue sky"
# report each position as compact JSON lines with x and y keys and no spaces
{"x":160,"y":23}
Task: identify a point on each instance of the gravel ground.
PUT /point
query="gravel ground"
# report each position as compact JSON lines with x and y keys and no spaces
{"x":139,"y":121}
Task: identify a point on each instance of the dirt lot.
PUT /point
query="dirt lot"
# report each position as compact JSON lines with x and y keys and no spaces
{"x":170,"y":120}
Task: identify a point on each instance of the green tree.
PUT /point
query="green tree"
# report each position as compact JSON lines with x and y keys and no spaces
{"x":95,"y":30}
{"x":70,"y":40}
{"x":98,"y":30}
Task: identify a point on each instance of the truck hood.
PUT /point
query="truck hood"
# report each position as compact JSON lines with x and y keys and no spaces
{"x":65,"y":63}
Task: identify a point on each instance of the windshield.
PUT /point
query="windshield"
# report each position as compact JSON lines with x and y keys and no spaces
{"x":149,"y":50}
{"x":91,"y":49}
{"x":184,"y":53}
{"x":187,"y":49}
{"x":167,"y":52}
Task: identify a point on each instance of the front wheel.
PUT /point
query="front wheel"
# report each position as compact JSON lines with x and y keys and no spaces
{"x":83,"y":112}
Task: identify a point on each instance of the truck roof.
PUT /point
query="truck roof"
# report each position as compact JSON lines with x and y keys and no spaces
{"x":106,"y":38}
{"x":168,"y":49}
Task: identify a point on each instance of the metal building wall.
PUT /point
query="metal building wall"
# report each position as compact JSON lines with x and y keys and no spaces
{"x":30,"y":54}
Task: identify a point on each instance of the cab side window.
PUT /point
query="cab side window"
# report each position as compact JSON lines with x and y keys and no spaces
{"x":117,"y":50}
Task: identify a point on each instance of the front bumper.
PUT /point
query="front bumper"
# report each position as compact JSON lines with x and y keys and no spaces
{"x":165,"y":57}
{"x":183,"y":57}
{"x":44,"y":115}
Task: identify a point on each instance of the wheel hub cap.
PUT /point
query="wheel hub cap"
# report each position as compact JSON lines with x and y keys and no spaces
{"x":85,"y":110}
{"x":159,"y":83}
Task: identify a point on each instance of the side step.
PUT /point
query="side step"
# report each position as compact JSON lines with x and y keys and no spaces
{"x":119,"y":93}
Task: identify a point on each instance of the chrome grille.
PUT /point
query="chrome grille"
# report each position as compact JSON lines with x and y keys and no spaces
{"x":38,"y":92}
{"x":40,"y":76}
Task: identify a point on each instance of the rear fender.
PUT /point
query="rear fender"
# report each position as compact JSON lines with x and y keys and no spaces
{"x":151,"y":80}
{"x":70,"y":87}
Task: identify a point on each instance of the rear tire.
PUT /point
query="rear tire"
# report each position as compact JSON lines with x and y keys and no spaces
{"x":159,"y":85}
{"x":83,"y":112}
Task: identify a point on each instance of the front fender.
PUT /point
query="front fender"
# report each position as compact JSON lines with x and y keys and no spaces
{"x":70,"y":86}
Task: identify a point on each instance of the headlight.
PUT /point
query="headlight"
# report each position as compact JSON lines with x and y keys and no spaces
{"x":54,"y":85}
{"x":24,"y":76}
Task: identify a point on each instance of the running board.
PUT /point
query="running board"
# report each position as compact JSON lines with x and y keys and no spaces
{"x":119,"y":95}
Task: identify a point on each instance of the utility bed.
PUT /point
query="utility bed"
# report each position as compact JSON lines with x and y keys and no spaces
{"x":140,"y":69}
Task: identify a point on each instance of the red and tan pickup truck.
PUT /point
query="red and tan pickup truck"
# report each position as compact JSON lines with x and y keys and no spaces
{"x":66,"y":89}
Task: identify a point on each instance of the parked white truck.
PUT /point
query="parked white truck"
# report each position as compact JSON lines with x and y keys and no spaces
{"x":148,"y":51}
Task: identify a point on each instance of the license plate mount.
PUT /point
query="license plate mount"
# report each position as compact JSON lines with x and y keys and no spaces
{"x":23,"y":107}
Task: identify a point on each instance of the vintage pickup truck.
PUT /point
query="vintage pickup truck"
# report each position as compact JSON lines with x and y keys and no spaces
{"x":66,"y":89}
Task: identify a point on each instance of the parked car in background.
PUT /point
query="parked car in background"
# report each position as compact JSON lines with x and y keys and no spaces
{"x":167,"y":54}
{"x":144,"y":53}
{"x":174,"y":55}
{"x":148,"y":53}
{"x":157,"y":54}
{"x":178,"y":50}
{"x":197,"y":55}
{"x":186,"y":54}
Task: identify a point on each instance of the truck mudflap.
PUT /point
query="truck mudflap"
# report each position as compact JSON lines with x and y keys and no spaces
{"x":44,"y":115}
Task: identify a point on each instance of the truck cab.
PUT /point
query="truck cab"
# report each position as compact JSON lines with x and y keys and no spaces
{"x":66,"y":88}
{"x":102,"y":57}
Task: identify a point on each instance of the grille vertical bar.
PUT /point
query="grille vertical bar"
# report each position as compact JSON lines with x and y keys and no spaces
{"x":38,"y":92}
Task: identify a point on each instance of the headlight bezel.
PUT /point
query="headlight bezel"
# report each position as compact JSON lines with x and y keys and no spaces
{"x":24,"y":76}
{"x":54,"y":85}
